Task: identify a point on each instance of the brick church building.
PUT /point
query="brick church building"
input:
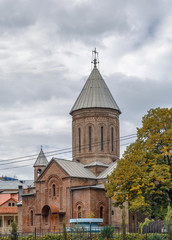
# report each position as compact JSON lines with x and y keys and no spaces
{"x":67,"y":189}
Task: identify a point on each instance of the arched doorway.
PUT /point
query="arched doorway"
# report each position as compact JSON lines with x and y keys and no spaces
{"x":49,"y":218}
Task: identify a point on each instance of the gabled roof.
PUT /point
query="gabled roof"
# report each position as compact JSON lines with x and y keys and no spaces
{"x":108,"y":171}
{"x":77,"y":169}
{"x":96,"y":163}
{"x":6,"y":197}
{"x":74,"y":169}
{"x":41,"y":159}
{"x":95,"y":94}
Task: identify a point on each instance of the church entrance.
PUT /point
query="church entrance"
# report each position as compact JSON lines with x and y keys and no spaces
{"x":49,"y":218}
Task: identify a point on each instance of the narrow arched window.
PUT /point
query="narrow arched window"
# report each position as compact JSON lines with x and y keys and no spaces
{"x":39,"y":172}
{"x":9,"y":204}
{"x":79,"y":133}
{"x":54,"y":190}
{"x":79,"y":212}
{"x":13,"y":204}
{"x":101,"y":212}
{"x":90,"y":138}
{"x":31,"y":218}
{"x":112,"y":139}
{"x":101,"y":138}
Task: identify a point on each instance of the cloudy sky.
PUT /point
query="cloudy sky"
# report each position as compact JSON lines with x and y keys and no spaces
{"x":45,"y":58}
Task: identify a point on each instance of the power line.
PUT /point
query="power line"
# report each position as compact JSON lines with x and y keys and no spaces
{"x":53,"y":155}
{"x":58,"y":152}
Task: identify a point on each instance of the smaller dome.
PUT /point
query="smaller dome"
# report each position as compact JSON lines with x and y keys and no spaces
{"x":41,"y":160}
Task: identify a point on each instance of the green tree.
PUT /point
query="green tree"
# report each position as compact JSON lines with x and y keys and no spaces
{"x":143,"y":176}
{"x":14,"y":235}
{"x":168,"y":221}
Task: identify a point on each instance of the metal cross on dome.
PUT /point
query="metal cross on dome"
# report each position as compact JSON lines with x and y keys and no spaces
{"x":95,"y":57}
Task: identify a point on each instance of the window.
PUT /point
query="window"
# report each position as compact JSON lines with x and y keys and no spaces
{"x":112,"y":212}
{"x":101,"y":138}
{"x":54,"y":190}
{"x":31,"y":218}
{"x":79,"y":132}
{"x":101,"y":212}
{"x":79,"y":212}
{"x":13,"y":204}
{"x":112,"y":139}
{"x":9,"y":204}
{"x":39,"y":172}
{"x":9,"y":222}
{"x":90,"y":138}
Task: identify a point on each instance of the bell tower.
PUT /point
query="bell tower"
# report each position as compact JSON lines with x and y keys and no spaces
{"x":95,"y":121}
{"x":40,"y":164}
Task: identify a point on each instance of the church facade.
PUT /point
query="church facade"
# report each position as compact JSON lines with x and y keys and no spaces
{"x":66,"y":189}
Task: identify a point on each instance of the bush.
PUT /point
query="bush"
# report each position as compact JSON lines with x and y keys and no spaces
{"x":107,"y":232}
{"x":156,"y":236}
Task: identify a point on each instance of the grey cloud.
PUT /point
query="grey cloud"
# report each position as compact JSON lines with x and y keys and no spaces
{"x":136,"y":96}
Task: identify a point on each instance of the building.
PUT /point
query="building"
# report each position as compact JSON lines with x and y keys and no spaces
{"x":73,"y":189}
{"x":10,"y":196}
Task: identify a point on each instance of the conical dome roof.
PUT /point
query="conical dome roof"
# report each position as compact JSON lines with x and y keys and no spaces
{"x":95,"y":94}
{"x":41,"y":159}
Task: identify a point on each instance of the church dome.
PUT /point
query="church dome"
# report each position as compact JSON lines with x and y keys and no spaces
{"x":95,"y":94}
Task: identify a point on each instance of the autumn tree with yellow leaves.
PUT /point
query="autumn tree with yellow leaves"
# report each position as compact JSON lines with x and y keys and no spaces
{"x":143,"y":177}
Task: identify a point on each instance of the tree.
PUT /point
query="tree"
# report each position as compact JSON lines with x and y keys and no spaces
{"x":14,"y":235}
{"x":143,"y":176}
{"x":168,"y":221}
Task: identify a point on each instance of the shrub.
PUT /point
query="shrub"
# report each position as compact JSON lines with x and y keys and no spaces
{"x":156,"y":236}
{"x":107,"y":232}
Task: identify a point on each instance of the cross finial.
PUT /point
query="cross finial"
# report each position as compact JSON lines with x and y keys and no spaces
{"x":95,"y":58}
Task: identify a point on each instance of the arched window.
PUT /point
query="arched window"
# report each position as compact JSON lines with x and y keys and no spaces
{"x":31,"y":218}
{"x":79,"y":133}
{"x":13,"y":204}
{"x":39,"y":172}
{"x":90,"y":138}
{"x":9,"y":204}
{"x":79,"y":212}
{"x":101,"y":212}
{"x":101,"y":138}
{"x":54,"y":190}
{"x":112,"y":139}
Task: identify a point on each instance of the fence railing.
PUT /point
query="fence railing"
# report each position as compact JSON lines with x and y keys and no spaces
{"x":90,"y":233}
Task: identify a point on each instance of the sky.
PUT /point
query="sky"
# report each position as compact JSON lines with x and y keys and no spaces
{"x":45,"y":59}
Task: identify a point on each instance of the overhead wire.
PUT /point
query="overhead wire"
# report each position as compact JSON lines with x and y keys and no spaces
{"x":58,"y":152}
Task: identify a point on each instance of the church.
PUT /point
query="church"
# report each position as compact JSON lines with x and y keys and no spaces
{"x":65,"y":189}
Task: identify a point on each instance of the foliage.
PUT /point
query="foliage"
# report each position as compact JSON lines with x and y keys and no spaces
{"x":145,"y":223}
{"x":156,"y":236}
{"x":91,"y":215}
{"x":64,"y":231}
{"x":168,"y":217}
{"x":143,"y":176}
{"x":14,"y":235}
{"x":129,"y":236}
{"x":107,"y":232}
{"x":168,"y":221}
{"x":78,"y":231}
